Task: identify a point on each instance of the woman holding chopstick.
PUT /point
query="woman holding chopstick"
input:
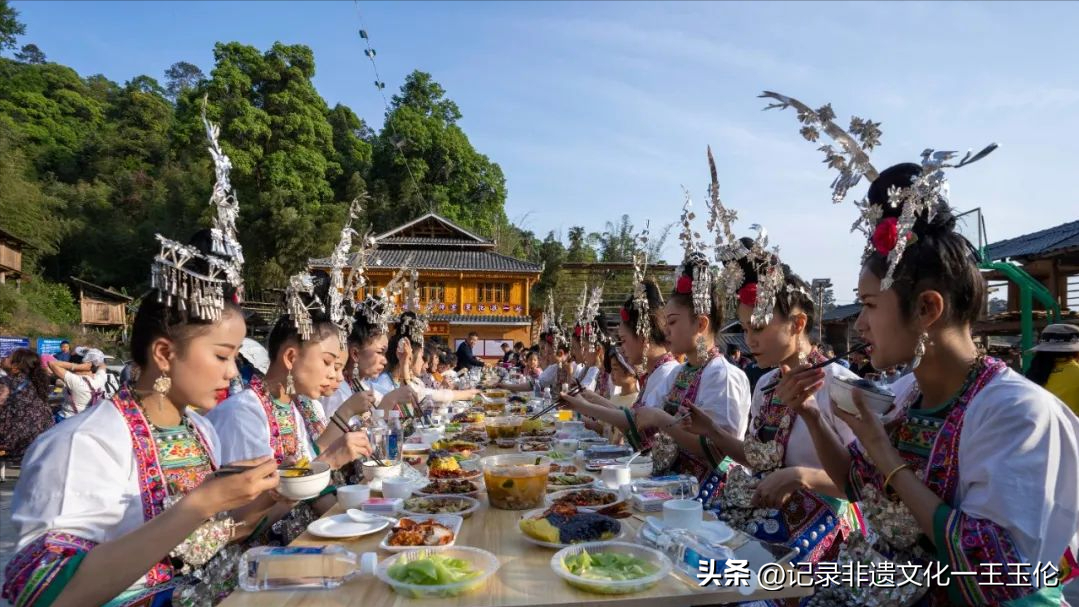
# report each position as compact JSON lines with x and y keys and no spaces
{"x":777,"y":489}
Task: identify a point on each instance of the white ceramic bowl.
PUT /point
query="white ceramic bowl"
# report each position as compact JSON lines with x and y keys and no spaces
{"x":305,"y":487}
{"x":397,"y":487}
{"x":842,"y":390}
{"x":371,"y":471}
{"x":351,"y":496}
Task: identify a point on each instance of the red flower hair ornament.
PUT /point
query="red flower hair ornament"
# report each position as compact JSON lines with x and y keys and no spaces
{"x":684,"y":285}
{"x":747,"y":295}
{"x":624,"y":314}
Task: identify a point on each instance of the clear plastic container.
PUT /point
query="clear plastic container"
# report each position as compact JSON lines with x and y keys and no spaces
{"x":482,"y":561}
{"x":654,"y":557}
{"x":516,"y":481}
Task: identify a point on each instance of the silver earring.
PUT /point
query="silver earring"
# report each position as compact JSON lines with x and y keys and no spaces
{"x":919,"y":350}
{"x":702,"y":349}
{"x":290,"y":385}
{"x":162,"y":385}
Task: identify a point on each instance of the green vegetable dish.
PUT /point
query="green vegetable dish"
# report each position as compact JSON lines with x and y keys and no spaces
{"x":608,"y":566}
{"x":434,"y":570}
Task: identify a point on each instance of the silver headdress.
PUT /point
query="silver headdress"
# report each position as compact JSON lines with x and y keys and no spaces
{"x":640,"y":293}
{"x":551,"y":326}
{"x":379,"y":309}
{"x":342,"y":297}
{"x":588,"y":321}
{"x":414,"y":326}
{"x":925,"y":194}
{"x":194,"y":293}
{"x":731,"y":254}
{"x":701,"y":286}
{"x":299,"y":286}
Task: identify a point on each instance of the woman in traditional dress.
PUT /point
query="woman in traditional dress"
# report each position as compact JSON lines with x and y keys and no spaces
{"x":276,"y":415}
{"x":691,"y":317}
{"x":974,"y":467}
{"x":406,"y":364}
{"x":115,"y":505}
{"x":777,"y":489}
{"x":24,"y":406}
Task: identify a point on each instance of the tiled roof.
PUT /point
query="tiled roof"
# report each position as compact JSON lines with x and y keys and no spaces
{"x":1064,"y":236}
{"x":842,"y":312}
{"x":435,"y":259}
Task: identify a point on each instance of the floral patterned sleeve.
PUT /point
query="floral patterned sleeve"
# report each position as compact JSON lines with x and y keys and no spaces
{"x":42,"y":568}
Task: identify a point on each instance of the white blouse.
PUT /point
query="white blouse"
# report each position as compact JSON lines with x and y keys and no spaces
{"x":81,"y":477}
{"x":244,"y":432}
{"x":800,"y":450}
{"x":723,"y":394}
{"x":659,"y":384}
{"x":1019,"y":464}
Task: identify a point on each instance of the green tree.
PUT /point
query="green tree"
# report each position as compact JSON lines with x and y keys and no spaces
{"x":30,"y":53}
{"x":27,"y":210}
{"x":181,"y":77}
{"x":582,"y":246}
{"x":352,"y":151}
{"x":552,"y":254}
{"x":422,"y":161}
{"x":10,"y":27}
{"x":275,"y":129}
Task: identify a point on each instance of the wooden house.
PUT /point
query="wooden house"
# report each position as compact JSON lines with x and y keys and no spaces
{"x":470,"y":286}
{"x":11,"y":248}
{"x":101,"y":307}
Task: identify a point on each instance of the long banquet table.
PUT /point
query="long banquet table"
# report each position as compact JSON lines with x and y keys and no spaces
{"x":524,"y":578}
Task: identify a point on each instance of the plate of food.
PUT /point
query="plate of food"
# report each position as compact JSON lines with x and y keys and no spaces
{"x":437,"y":572}
{"x":422,"y":531}
{"x":611,"y":567}
{"x":451,"y":487}
{"x":561,"y":481}
{"x":563,"y":468}
{"x":471,"y":435}
{"x":443,"y":465}
{"x":533,"y":445}
{"x":465,"y":448}
{"x":461,"y":505}
{"x":468,"y":417}
{"x":585,"y":499}
{"x":561,"y":526}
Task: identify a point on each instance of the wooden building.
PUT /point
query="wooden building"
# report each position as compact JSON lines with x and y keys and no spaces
{"x":11,"y":248}
{"x":101,"y":307}
{"x":471,"y":287}
{"x":1051,"y":256}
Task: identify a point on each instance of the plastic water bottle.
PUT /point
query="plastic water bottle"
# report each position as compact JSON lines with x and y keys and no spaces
{"x":546,"y":398}
{"x":395,"y":437}
{"x":685,"y":549}
{"x":302,"y":567}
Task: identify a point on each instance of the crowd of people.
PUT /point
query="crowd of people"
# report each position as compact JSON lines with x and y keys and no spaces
{"x":123,"y":503}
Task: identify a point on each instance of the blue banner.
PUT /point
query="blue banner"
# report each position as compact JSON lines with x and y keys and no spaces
{"x":10,"y":344}
{"x":48,"y":345}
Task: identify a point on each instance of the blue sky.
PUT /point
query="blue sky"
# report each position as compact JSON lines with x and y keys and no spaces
{"x":599,"y":109}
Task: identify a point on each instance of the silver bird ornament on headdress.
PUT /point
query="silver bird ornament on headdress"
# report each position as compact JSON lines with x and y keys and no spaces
{"x":926,"y":192}
{"x":342,"y":298}
{"x":191,"y":292}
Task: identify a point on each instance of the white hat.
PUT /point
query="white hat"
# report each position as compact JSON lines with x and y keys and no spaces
{"x":1058,"y":338}
{"x":94,"y":357}
{"x":254,"y":353}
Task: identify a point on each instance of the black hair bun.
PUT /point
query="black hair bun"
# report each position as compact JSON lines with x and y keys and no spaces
{"x":902,"y":176}
{"x":899,"y":176}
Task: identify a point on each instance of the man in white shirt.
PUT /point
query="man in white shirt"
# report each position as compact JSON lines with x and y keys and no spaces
{"x":83,"y":381}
